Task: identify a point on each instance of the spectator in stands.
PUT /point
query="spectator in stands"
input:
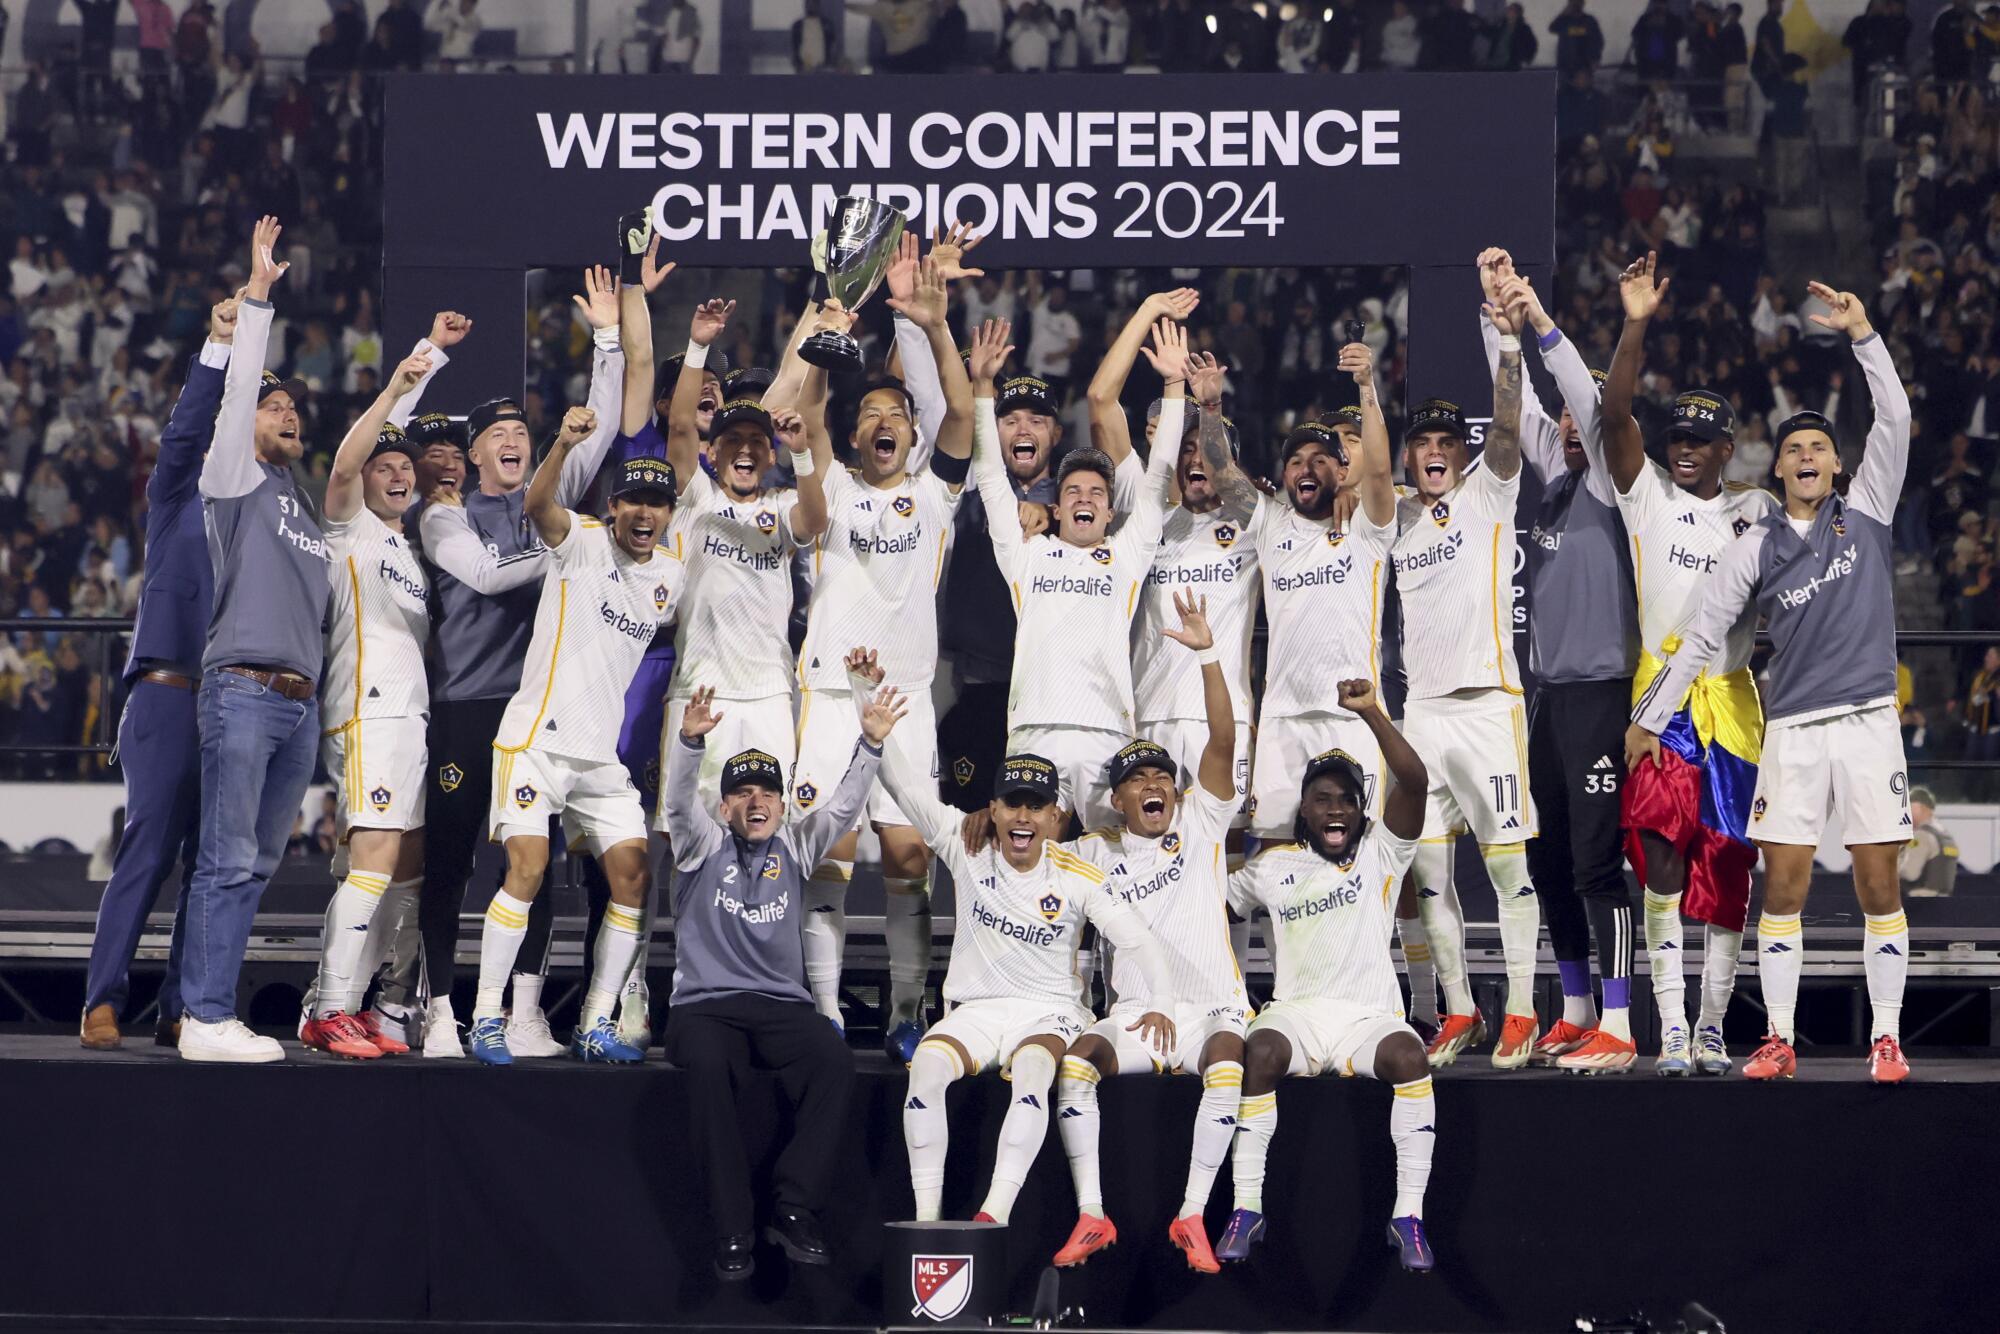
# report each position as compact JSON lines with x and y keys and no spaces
{"x":813,"y":45}
{"x":1982,"y":709}
{"x":1511,"y":43}
{"x":1579,"y":41}
{"x":1446,"y":37}
{"x":1054,"y":340}
{"x":457,"y":25}
{"x":156,"y":34}
{"x":1401,"y":47}
{"x":951,"y":39}
{"x":1928,"y":866}
{"x":1954,"y":37}
{"x":1299,"y":43}
{"x":1028,"y":38}
{"x":904,"y":28}
{"x":1656,"y":42}
{"x":1251,"y":34}
{"x":406,"y":34}
{"x":1179,"y":36}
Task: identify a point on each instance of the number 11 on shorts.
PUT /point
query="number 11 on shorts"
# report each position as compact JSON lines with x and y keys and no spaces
{"x":1506,"y":793}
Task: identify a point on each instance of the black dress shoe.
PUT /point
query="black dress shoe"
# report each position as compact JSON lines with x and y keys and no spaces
{"x":736,"y":1257}
{"x":167,"y":1033}
{"x":798,"y":1232}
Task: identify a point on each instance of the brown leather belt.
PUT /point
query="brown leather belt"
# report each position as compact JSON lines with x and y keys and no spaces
{"x":160,"y":676}
{"x":289,"y":684}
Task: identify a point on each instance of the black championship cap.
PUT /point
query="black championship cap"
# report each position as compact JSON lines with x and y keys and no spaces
{"x":491,"y":413}
{"x":1027,"y":775}
{"x":272,"y":383}
{"x":1025,"y":391}
{"x":736,"y":411}
{"x":1802,"y":421}
{"x":1348,"y":417}
{"x":748,"y":382}
{"x":1436,"y":414}
{"x":1085,"y":459}
{"x":670,"y":370}
{"x":1598,"y":377}
{"x":1312,"y":433}
{"x":1142,"y":755}
{"x":1338,"y":763}
{"x":391,"y":440}
{"x":1702,"y":415}
{"x":645,"y":474}
{"x":433,"y":428}
{"x":752,"y":766}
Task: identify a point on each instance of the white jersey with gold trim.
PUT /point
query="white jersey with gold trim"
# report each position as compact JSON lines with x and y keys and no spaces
{"x":875,"y":577}
{"x":1208,"y":556}
{"x":1330,"y":924}
{"x":1017,"y":931}
{"x":1454,"y":560}
{"x":378,"y":622}
{"x":1323,"y":602}
{"x":1677,"y":541}
{"x":737,"y":601}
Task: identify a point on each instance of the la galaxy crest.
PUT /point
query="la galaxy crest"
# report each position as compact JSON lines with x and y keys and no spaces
{"x":449,"y":777}
{"x":903,"y":506}
{"x":1102,"y":555}
{"x":1050,"y":907}
{"x":1171,"y":844}
{"x":1225,"y":535}
{"x":1441,"y":514}
{"x":378,"y":797}
{"x":767,"y":522}
{"x":805,"y":794}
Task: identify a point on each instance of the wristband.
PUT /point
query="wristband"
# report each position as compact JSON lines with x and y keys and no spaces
{"x":1510,"y":342}
{"x":1548,"y":340}
{"x":696,"y":355}
{"x":802,"y":463}
{"x":1208,"y":655}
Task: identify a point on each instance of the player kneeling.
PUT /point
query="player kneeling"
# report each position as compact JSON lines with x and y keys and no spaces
{"x":1332,"y":901}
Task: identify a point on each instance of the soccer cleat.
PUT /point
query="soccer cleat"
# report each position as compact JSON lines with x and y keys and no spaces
{"x":386,"y":1031}
{"x":1245,"y":1229}
{"x":1517,"y":1042}
{"x":1561,"y":1040}
{"x":1413,"y":1247}
{"x":1601,"y":1053}
{"x":1710,"y":1056}
{"x":601,"y":1045}
{"x":1454,"y":1035}
{"x":983,"y":1217}
{"x":1885,"y":1061}
{"x":528,"y":1036}
{"x":899,"y":1044}
{"x":1772,"y":1060}
{"x":1676,"y":1056}
{"x":1090,"y":1235}
{"x":1191,"y":1235}
{"x":488,"y":1041}
{"x":635,"y":1013}
{"x":340,"y":1034}
{"x":441,"y":1031}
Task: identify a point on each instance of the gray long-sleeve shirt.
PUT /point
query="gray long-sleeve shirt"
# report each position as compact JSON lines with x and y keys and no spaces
{"x":739,"y":907}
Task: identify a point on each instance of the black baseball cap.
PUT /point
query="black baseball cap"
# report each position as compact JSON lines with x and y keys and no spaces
{"x":752,"y":766}
{"x":433,"y":428}
{"x":645,"y":473}
{"x":670,"y":370}
{"x":1025,"y":391}
{"x":1802,"y":421}
{"x":272,"y":383}
{"x":1702,"y":415}
{"x":1436,"y":414}
{"x":491,"y":413}
{"x":1348,"y":416}
{"x":1029,"y":775}
{"x":1338,"y":763}
{"x":738,"y":410}
{"x":1142,"y":755}
{"x":391,"y":440}
{"x":748,"y":381}
{"x":1312,"y":433}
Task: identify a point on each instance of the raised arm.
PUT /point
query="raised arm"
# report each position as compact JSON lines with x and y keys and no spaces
{"x":1503,"y":437}
{"x":455,"y":548}
{"x":923,"y":314}
{"x":796,"y":377}
{"x":343,"y":479}
{"x":185,"y":437}
{"x":1109,"y":429}
{"x":1169,"y":355}
{"x":990,"y":349}
{"x":448,"y":330}
{"x":1624,"y":449}
{"x":1375,"y":468}
{"x":1878,"y":482}
{"x":914,"y":790}
{"x":693,"y":830}
{"x":1403,"y":803}
{"x":1217,"y":769}
{"x":1541,"y":435}
{"x":711,"y":317}
{"x":635,"y":318}
{"x":1723,"y":599}
{"x":231,"y":467}
{"x":544,"y":504}
{"x":600,"y":305}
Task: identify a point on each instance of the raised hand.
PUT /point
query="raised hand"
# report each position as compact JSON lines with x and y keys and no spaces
{"x":1205,"y":379}
{"x":901,"y":275}
{"x":651,"y":272}
{"x":950,"y":247}
{"x":832,"y":315}
{"x":1194,"y":631}
{"x":701,"y":717}
{"x":1518,"y":296}
{"x":1495,"y":267}
{"x":1506,"y":321}
{"x":1169,"y":351}
{"x":790,"y":430}
{"x":990,"y":349}
{"x":1849,"y":315}
{"x":410,"y":373}
{"x":975,"y":831}
{"x":265,"y":267}
{"x":862,"y":666}
{"x":884,"y":711}
{"x":1176,"y":304}
{"x":577,"y":423}
{"x":1358,"y":360}
{"x":928,"y":300}
{"x":599,"y":302}
{"x":711,"y":317}
{"x":222,"y":317}
{"x":1356,"y":696}
{"x":449,"y":328}
{"x":1636,"y":288}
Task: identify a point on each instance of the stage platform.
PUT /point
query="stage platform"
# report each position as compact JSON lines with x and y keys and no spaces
{"x":552,"y":1195}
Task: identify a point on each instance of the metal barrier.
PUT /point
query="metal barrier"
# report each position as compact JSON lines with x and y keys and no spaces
{"x":111,"y":643}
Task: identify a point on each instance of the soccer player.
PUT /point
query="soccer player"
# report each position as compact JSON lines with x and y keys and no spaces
{"x":372,"y":713}
{"x":1077,"y":586}
{"x":1454,"y":559}
{"x":875,"y":582}
{"x":1168,"y":862}
{"x":1687,"y":817}
{"x":608,"y":588}
{"x":1337,"y":1007}
{"x":1820,"y":574}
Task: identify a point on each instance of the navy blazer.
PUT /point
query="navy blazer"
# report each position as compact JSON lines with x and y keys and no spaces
{"x":179,"y":586}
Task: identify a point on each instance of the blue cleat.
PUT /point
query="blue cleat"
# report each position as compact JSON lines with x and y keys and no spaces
{"x":1245,"y":1230}
{"x":1676,"y":1058}
{"x":602,"y":1045}
{"x":488,"y":1041}
{"x":1413,"y":1248}
{"x":1711,"y":1057}
{"x":900,"y":1043}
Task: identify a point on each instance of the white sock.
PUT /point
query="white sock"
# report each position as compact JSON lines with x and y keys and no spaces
{"x":1413,"y":1128}
{"x":1214,"y":1127}
{"x":394,"y":938}
{"x":1720,"y":950}
{"x":1663,"y":959}
{"x":344,"y":939}
{"x":1444,"y":923}
{"x":382,"y":928}
{"x":1022,"y":1132}
{"x":528,"y":995}
{"x":1423,"y":973}
{"x":506,"y":926}
{"x":1256,"y":1122}
{"x":925,"y":1132}
{"x":627,"y":994}
{"x":1886,"y":960}
{"x":1780,"y":958}
{"x":1520,"y":921}
{"x":1077,"y":1122}
{"x":826,"y":933}
{"x":906,"y":924}
{"x":617,"y":947}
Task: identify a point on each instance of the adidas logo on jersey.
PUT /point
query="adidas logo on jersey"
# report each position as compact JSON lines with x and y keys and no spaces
{"x":1687,"y":516}
{"x":1603,"y":762}
{"x":1512,"y":823}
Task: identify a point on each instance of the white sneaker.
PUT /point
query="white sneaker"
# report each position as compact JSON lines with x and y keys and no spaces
{"x":441,"y":1030}
{"x":392,"y":1026}
{"x":529,"y":1038}
{"x":228,"y":1043}
{"x":635,"y":1015}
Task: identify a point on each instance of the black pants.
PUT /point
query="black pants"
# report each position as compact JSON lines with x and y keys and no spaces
{"x":455,"y":811}
{"x":1576,"y":764}
{"x":715,"y":1042}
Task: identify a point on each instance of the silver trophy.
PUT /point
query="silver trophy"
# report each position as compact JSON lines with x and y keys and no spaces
{"x":852,"y":254}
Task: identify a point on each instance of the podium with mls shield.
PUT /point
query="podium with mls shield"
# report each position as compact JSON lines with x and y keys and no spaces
{"x":945,"y":1273}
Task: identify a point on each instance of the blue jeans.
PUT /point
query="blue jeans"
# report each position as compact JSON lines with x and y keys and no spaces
{"x":257,"y":750}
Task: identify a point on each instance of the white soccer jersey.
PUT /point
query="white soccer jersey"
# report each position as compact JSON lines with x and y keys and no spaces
{"x":738,"y":597}
{"x":1330,"y":924}
{"x":1179,"y":885}
{"x":599,"y":611}
{"x":1323,"y":602}
{"x":1677,"y":541}
{"x":1203,"y":555}
{"x":377,"y":624}
{"x":1454,"y":560}
{"x":875,"y":577}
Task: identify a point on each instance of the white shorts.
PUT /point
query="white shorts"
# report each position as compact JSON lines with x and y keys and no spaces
{"x":1082,"y":756}
{"x":378,"y":767}
{"x":747,"y":724}
{"x":1852,"y":764}
{"x":1185,"y":741}
{"x":598,"y":804}
{"x":1284,"y":745}
{"x":991,"y":1031}
{"x":828,"y":729}
{"x":1476,"y":748}
{"x":1194,"y":1025}
{"x":1331,"y":1037}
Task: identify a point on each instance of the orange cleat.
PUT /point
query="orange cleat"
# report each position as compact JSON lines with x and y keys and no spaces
{"x":341,"y":1034}
{"x":1517,"y":1042}
{"x":371,"y":1024}
{"x":1191,"y":1235}
{"x":1885,"y":1061}
{"x":1561,"y":1040}
{"x":1454,"y":1035}
{"x":1091,"y":1235}
{"x":1773,"y":1060}
{"x":1600,"y":1053}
